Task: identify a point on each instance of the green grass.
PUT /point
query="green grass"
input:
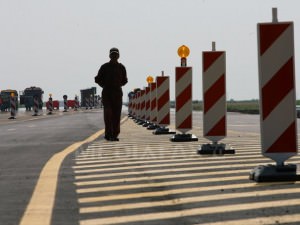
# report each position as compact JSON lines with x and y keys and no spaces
{"x":248,"y":107}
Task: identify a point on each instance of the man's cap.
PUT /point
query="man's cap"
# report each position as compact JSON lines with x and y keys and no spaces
{"x":114,"y":50}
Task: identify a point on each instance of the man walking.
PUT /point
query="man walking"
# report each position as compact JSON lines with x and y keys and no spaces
{"x":111,"y":77}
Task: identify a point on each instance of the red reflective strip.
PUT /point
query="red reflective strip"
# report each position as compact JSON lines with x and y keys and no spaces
{"x":214,"y":93}
{"x":153,"y":104}
{"x":286,"y":142}
{"x":277,"y":88}
{"x":209,"y":58}
{"x":165,"y":120}
{"x":163,"y":100}
{"x":160,"y":81}
{"x":143,"y":105}
{"x":183,"y":97}
{"x":180,"y":72}
{"x":186,"y":124}
{"x":218,"y":129}
{"x":269,"y":33}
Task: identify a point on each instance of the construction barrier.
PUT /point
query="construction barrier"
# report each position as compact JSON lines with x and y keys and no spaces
{"x":183,"y":111}
{"x":163,"y":104}
{"x":153,"y":107}
{"x":214,"y":101}
{"x":65,"y":97}
{"x":36,"y":105}
{"x":12,"y":107}
{"x":277,"y":99}
{"x":50,"y":106}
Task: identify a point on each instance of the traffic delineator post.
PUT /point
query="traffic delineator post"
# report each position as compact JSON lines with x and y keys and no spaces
{"x":50,"y":105}
{"x":65,"y":97}
{"x":214,"y":101}
{"x":142,"y":107}
{"x":163,"y":104}
{"x":76,"y":103}
{"x":153,"y":107}
{"x":147,"y":106}
{"x":35,"y":106}
{"x":183,"y":89}
{"x":277,"y":100}
{"x":12,"y":106}
{"x":138,"y":105}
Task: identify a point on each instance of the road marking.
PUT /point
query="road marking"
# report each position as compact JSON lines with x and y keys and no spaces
{"x":39,"y":209}
{"x":40,"y":206}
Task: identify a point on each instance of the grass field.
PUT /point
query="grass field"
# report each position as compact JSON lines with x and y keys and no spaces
{"x":249,"y":107}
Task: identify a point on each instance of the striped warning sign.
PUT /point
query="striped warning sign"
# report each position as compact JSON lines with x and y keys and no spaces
{"x":163,"y":100}
{"x":153,"y":109}
{"x":147,"y":106}
{"x":214,"y":95}
{"x":183,"y":99}
{"x":277,"y":90}
{"x":142,"y":101}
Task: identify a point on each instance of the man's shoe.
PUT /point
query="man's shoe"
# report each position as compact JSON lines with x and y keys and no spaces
{"x":107,"y":138}
{"x":114,"y":139}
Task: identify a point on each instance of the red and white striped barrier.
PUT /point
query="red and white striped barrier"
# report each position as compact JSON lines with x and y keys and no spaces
{"x":76,"y":103}
{"x":147,"y":104}
{"x":183,"y":89}
{"x":277,"y":96}
{"x":35,"y":105}
{"x":134,"y":105}
{"x":214,"y":100}
{"x":50,"y":106}
{"x":153,"y":107}
{"x":138,"y":105}
{"x":142,"y":107}
{"x":12,"y":107}
{"x":163,"y":104}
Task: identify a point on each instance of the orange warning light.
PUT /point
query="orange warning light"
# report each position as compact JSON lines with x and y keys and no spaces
{"x":183,"y":51}
{"x":149,"y":79}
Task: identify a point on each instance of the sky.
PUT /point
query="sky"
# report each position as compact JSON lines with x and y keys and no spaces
{"x":59,"y":45}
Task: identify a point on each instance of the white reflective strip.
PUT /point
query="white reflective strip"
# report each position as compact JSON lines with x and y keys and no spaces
{"x":277,"y":55}
{"x":162,"y":113}
{"x":185,"y":81}
{"x":163,"y":88}
{"x":213,"y":73}
{"x":214,"y":115}
{"x":184,"y":113}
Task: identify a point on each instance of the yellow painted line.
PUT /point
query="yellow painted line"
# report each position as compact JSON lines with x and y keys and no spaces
{"x":39,"y":209}
{"x":190,"y":212}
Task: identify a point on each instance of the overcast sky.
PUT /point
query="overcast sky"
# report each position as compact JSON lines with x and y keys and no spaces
{"x":59,"y":45}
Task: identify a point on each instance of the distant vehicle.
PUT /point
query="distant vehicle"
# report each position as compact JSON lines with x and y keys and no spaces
{"x":86,"y":95}
{"x":5,"y":99}
{"x":298,"y":111}
{"x":27,"y":97}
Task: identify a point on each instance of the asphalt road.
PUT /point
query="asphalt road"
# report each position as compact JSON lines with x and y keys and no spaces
{"x":27,"y":144}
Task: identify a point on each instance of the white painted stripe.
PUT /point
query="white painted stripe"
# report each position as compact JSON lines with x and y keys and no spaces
{"x":185,"y":200}
{"x":163,"y":88}
{"x":282,"y":219}
{"x":189,"y":212}
{"x":277,"y":55}
{"x":213,"y":73}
